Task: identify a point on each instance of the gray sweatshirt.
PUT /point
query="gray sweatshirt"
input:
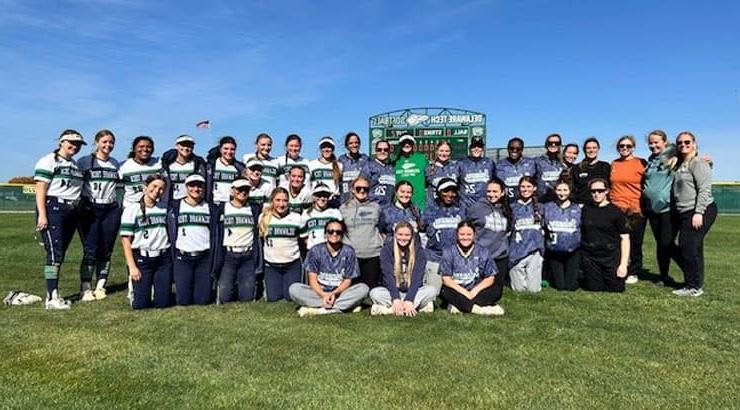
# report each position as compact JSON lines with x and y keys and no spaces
{"x":362,"y":220}
{"x":692,"y":186}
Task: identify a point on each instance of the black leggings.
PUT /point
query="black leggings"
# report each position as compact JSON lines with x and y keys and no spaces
{"x":691,"y":246}
{"x":600,"y":272}
{"x":564,"y":269}
{"x":370,"y":271}
{"x":637,"y":224}
{"x":486,"y":297}
{"x":664,"y":233}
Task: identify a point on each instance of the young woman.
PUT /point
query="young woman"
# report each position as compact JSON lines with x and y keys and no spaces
{"x":442,"y":167}
{"x":492,"y":219}
{"x":627,"y":174}
{"x":403,"y":209}
{"x":314,"y":220}
{"x":179,"y":163}
{"x":263,"y":147}
{"x":135,"y":170}
{"x":58,"y":189}
{"x":562,"y":222}
{"x":331,"y":267}
{"x":527,"y":242}
{"x":549,"y":167}
{"x":441,"y":219}
{"x":410,"y":166}
{"x":588,"y":169}
{"x":381,"y":175}
{"x":223,"y":168}
{"x":656,"y":197}
{"x":570,"y":156}
{"x":100,"y":215}
{"x":292,"y":158}
{"x":353,"y":162}
{"x":515,"y":166}
{"x":475,"y":171}
{"x":605,"y":241}
{"x":260,"y":189}
{"x":299,"y":193}
{"x":146,"y":247}
{"x":402,"y":292}
{"x":694,"y":211}
{"x":280,"y":230}
{"x":191,"y":222}
{"x":240,"y":246}
{"x":468,"y":275}
{"x":362,"y":217}
{"x":327,"y":170}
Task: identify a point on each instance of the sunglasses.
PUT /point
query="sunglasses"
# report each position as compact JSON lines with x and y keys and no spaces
{"x":598,"y":190}
{"x":362,"y":189}
{"x":625,"y":145}
{"x":382,"y":150}
{"x":322,"y":195}
{"x":334,"y":232}
{"x":515,"y":149}
{"x":242,"y":190}
{"x":553,"y":143}
{"x":684,"y":142}
{"x":255,"y":169}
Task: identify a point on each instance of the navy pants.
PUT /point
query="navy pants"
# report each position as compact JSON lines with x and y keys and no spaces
{"x":691,"y":245}
{"x":564,"y":269}
{"x":98,"y":228}
{"x":239,"y":270}
{"x":279,"y":277}
{"x":62,"y":224}
{"x":155,"y":272}
{"x":600,"y":271}
{"x":192,"y":278}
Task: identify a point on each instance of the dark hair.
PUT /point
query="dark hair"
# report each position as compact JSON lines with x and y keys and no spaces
{"x":68,"y":131}
{"x":503,"y":201}
{"x":336,"y":173}
{"x":104,"y":133}
{"x":465,"y":223}
{"x":535,"y":205}
{"x":571,"y":145}
{"x":553,"y":135}
{"x":257,"y":140}
{"x":297,"y":167}
{"x":602,"y":180}
{"x":378,"y":142}
{"x":336,"y":221}
{"x":515,"y":139}
{"x":136,"y":142}
{"x":149,"y":180}
{"x":289,"y":138}
{"x":659,"y":133}
{"x":350,"y":135}
{"x":226,"y":139}
{"x":588,"y":140}
{"x":439,"y":144}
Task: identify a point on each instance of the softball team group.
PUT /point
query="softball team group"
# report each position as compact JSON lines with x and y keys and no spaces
{"x":330,"y":233}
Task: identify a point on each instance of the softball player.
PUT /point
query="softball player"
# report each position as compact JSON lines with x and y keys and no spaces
{"x":299,"y":193}
{"x":380,"y":173}
{"x":135,"y":170}
{"x":263,"y":147}
{"x":527,"y":240}
{"x":240,"y":247}
{"x":353,"y":162}
{"x":280,"y":229}
{"x":146,"y":246}
{"x":474,"y":173}
{"x":179,"y":163}
{"x":100,"y":215}
{"x":260,"y":189}
{"x":58,"y":189}
{"x":515,"y":166}
{"x":222,"y":170}
{"x":189,"y":222}
{"x":326,"y":169}
{"x":315,"y":219}
{"x":292,"y":158}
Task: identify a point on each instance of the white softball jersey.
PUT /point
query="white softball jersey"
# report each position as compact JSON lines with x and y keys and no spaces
{"x":323,"y":173}
{"x":178,"y":173}
{"x":281,"y":242}
{"x":150,"y":231}
{"x":238,"y":226}
{"x":313,"y":222}
{"x":62,"y":175}
{"x":133,"y":175}
{"x":193,"y":227}
{"x":269,"y":168}
{"x":223,"y":174}
{"x":100,"y":178}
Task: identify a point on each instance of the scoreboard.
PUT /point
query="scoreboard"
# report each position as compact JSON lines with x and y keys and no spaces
{"x":429,"y":126}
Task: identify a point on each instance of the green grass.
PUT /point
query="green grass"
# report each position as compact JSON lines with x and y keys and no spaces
{"x":645,"y":348}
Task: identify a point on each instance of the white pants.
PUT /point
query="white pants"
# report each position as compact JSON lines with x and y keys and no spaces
{"x":526,"y":275}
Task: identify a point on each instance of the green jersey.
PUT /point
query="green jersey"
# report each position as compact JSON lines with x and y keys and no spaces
{"x":412,"y":169}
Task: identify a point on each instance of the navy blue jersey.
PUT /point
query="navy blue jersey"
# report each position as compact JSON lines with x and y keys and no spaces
{"x":474,"y":175}
{"x":351,"y":169}
{"x":512,"y":173}
{"x":548,"y":172}
{"x":527,"y":237}
{"x":562,"y":227}
{"x":332,"y":270}
{"x":491,"y":228}
{"x":435,"y":172}
{"x":393,"y":214}
{"x":441,"y":227}
{"x":467,"y":271}
{"x":382,"y":181}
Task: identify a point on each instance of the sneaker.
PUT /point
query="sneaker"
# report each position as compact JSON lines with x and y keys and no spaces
{"x":631,"y":280}
{"x":100,"y":294}
{"x":357,"y":309}
{"x":428,"y":308}
{"x":682,"y":292}
{"x":57,"y":303}
{"x":695,"y":293}
{"x":453,"y":310}
{"x":307,"y":311}
{"x":496,"y":310}
{"x":380,"y":310}
{"x":87,"y":296}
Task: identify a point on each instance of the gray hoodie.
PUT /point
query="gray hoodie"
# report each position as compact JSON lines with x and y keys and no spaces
{"x":362,"y":220}
{"x":491,"y":227}
{"x":692,"y":186}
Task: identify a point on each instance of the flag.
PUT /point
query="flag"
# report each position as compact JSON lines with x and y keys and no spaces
{"x":203,"y":124}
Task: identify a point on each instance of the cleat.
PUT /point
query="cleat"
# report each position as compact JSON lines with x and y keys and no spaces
{"x":695,"y":293}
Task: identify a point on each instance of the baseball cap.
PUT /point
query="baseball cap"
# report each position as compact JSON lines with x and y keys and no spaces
{"x":477,"y":142}
{"x":321,"y":189}
{"x":238,"y":183}
{"x":194,"y":178}
{"x":72,"y":138}
{"x":254,"y":163}
{"x":327,"y":140}
{"x":184,"y":138}
{"x":446,"y":183}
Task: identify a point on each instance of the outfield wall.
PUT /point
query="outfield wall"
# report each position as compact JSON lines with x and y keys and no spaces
{"x":21,"y":198}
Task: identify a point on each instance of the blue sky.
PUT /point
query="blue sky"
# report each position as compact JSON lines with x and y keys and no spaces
{"x":579,"y":68}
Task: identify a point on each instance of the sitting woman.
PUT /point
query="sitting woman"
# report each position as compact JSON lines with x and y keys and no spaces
{"x":402,"y":293}
{"x":330,"y":266}
{"x":468,"y":275}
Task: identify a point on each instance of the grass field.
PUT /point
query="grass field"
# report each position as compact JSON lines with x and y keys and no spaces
{"x":645,"y":348}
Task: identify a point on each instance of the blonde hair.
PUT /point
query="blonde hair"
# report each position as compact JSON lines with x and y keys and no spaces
{"x":397,"y":253}
{"x":676,"y":163}
{"x":269,"y":210}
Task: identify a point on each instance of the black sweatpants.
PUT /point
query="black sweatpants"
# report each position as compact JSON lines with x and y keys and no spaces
{"x":487,"y":297}
{"x":664,"y":232}
{"x":637,"y":224}
{"x":564,"y":269}
{"x":691,"y":246}
{"x":600,"y":272}
{"x":370,"y":271}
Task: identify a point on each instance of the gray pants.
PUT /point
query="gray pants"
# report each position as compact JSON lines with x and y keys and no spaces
{"x":424,"y":295}
{"x":431,"y":275}
{"x":303,"y":295}
{"x":526,"y":275}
